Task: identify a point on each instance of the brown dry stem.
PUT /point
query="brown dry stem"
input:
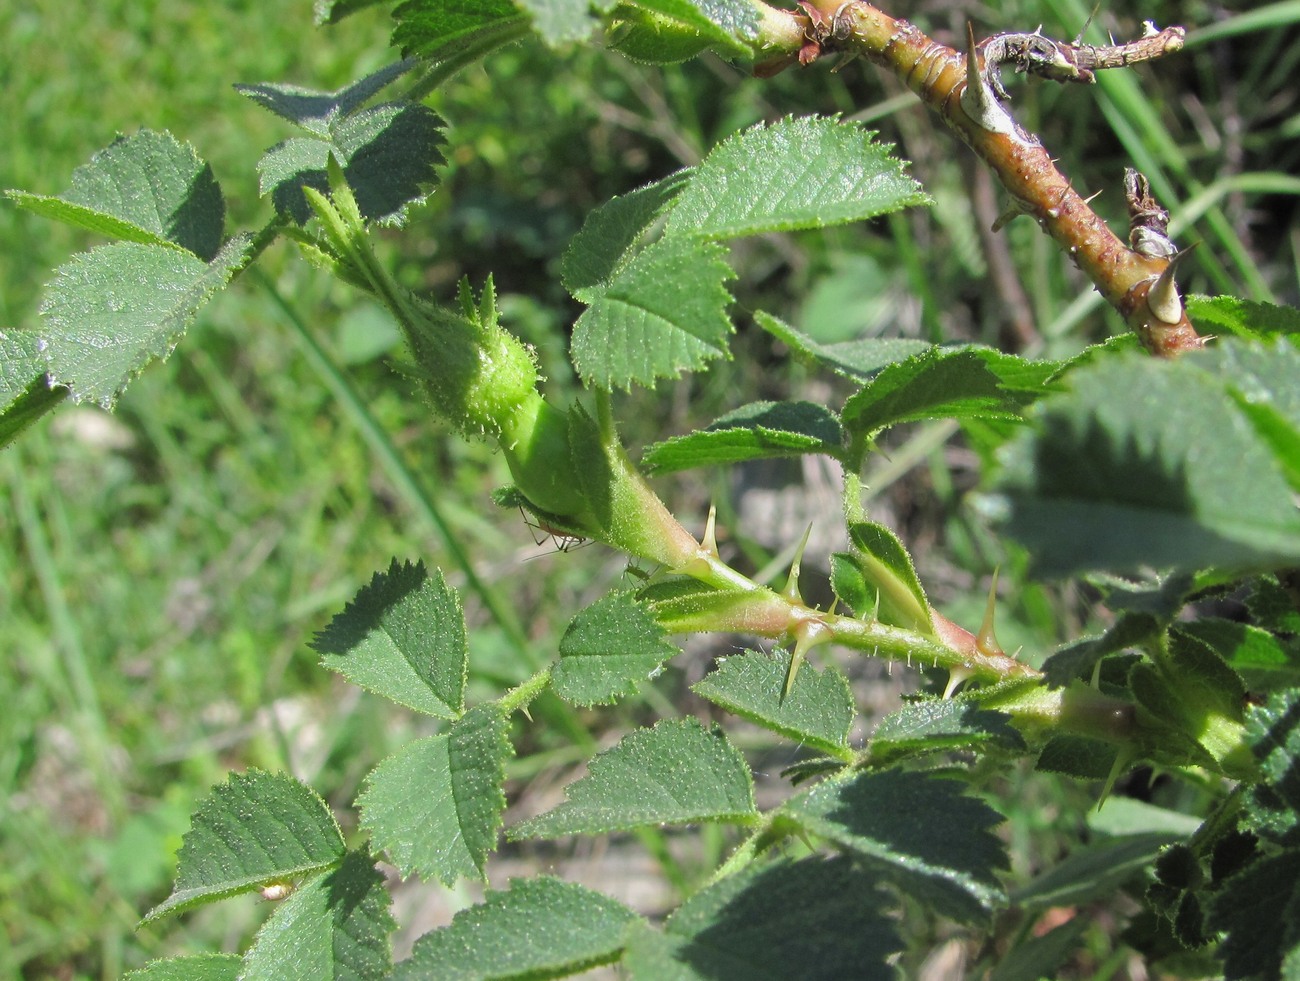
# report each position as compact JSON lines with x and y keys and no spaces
{"x":974,"y":106}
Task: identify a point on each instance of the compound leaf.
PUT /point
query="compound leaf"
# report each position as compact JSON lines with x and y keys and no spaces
{"x":676,"y":773}
{"x":919,"y":832}
{"x":254,"y":829}
{"x":541,"y":928}
{"x":435,"y":806}
{"x":800,"y":172}
{"x":403,"y":637}
{"x":608,"y":648}
{"x":334,"y":926}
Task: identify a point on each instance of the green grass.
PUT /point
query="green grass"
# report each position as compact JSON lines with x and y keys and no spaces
{"x":162,"y":569}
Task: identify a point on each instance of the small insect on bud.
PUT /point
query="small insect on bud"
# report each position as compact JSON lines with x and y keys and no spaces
{"x":273,"y":892}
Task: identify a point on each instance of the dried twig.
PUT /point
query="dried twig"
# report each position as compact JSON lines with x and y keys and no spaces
{"x":967,"y":93}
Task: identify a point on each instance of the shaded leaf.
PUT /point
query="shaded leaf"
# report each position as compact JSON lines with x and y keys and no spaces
{"x":147,"y":189}
{"x":878,"y":578}
{"x":111,"y":311}
{"x":815,"y":919}
{"x":1093,"y":872}
{"x":676,"y":773}
{"x":1041,"y":956}
{"x":608,"y":648}
{"x":541,"y":928}
{"x":800,"y":172}
{"x":818,"y":711}
{"x":435,"y":806}
{"x":760,"y":430}
{"x":852,"y":359}
{"x":917,"y":831}
{"x":934,"y":724}
{"x":253,"y":829}
{"x":1259,"y":908}
{"x":334,"y":926}
{"x":25,"y":392}
{"x":316,"y":111}
{"x":663,"y":313}
{"x":1151,"y":463}
{"x":608,"y":234}
{"x":403,"y":637}
{"x":389,"y":154}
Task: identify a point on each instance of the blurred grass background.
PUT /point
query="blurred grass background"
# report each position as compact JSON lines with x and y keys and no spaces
{"x":163,"y":568}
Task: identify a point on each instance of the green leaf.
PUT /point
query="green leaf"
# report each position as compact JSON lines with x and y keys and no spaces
{"x":1272,"y":607}
{"x":676,"y":773}
{"x":758,"y":431}
{"x":933,"y":724}
{"x":334,"y":926}
{"x":25,"y":392}
{"x":939,"y":384}
{"x":541,"y":928}
{"x":917,"y":831}
{"x":435,"y":806}
{"x":1219,"y":315}
{"x":560,"y":21}
{"x":1128,"y":816}
{"x":403,"y":637}
{"x":1261,"y":382}
{"x":1259,"y":909}
{"x":1041,"y":956}
{"x":316,"y":111}
{"x":814,"y":918}
{"x":609,"y":647}
{"x":1145,"y":611}
{"x":1273,"y":805}
{"x":389,"y":154}
{"x":1092,"y":872}
{"x":668,"y":31}
{"x":800,"y":172}
{"x":1151,"y":463}
{"x":878,"y":578}
{"x":608,"y":234}
{"x":147,"y":189}
{"x":433,"y":29}
{"x":334,"y":11}
{"x":663,"y":313}
{"x":111,"y":311}
{"x":1077,"y":756}
{"x":254,"y":829}
{"x":1262,"y":660}
{"x":818,"y":711}
{"x":197,"y":967}
{"x":852,"y":359}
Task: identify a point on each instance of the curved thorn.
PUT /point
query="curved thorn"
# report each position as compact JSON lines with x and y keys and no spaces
{"x":986,"y":642}
{"x":709,"y":542}
{"x":1163,"y":298}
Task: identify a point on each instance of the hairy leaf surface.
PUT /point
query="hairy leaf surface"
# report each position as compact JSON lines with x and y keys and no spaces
{"x":435,"y":806}
{"x":919,"y":832}
{"x":254,"y":829}
{"x":760,"y":430}
{"x":403,"y":637}
{"x":607,"y":650}
{"x":334,"y":926}
{"x":676,"y":773}
{"x":540,"y":928}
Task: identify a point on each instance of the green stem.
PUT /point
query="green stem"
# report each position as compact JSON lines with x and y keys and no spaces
{"x":522,"y":695}
{"x":410,"y":488}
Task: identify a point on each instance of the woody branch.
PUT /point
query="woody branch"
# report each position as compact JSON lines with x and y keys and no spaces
{"x":966,"y":91}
